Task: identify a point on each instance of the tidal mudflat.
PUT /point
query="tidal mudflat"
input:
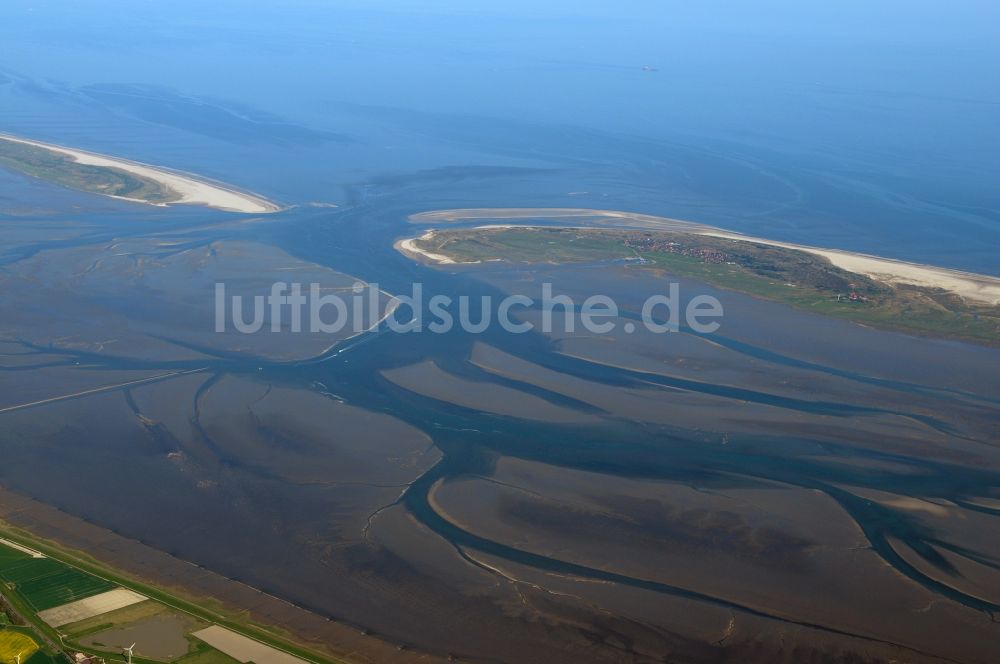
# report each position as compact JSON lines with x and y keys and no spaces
{"x":792,"y":487}
{"x":599,"y":496}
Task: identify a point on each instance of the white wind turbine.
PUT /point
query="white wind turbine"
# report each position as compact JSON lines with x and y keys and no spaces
{"x":128,"y":651}
{"x":19,"y":657}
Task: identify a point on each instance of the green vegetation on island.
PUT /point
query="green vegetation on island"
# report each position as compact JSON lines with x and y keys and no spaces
{"x":790,"y":276}
{"x":61,"y":169}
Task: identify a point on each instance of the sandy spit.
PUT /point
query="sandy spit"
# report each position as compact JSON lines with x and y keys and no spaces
{"x":408,"y":247}
{"x":192,"y":191}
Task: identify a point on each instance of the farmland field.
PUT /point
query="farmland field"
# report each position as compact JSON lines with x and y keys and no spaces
{"x":9,"y":556}
{"x":204,"y":654}
{"x":88,"y":607}
{"x":45,"y":583}
{"x":13,"y":643}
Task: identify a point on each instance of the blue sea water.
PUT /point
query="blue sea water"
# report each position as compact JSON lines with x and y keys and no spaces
{"x":867,"y":126}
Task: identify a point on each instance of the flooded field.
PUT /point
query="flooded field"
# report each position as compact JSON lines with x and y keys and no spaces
{"x":162,"y":637}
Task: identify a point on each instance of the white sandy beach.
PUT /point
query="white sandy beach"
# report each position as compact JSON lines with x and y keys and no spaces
{"x":974,"y":287}
{"x":191,"y":190}
{"x":408,"y":247}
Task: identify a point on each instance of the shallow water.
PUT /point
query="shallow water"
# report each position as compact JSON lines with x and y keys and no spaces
{"x":386,"y":113}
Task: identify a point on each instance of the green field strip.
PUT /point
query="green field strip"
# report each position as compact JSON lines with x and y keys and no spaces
{"x":45,"y":583}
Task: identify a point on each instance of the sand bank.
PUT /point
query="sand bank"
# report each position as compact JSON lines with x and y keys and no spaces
{"x":191,"y":190}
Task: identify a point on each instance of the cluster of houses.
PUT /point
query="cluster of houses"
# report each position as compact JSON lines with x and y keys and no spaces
{"x":854,"y":296}
{"x":705,"y":254}
{"x":83,"y":658}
